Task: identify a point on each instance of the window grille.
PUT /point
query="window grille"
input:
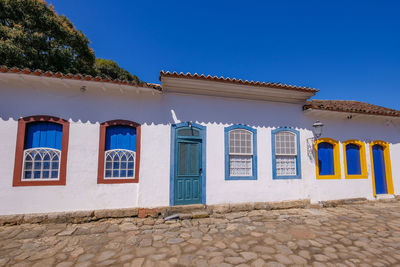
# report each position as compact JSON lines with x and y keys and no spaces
{"x":41,"y":164}
{"x":286,"y":153}
{"x":119,"y":163}
{"x":240,"y":153}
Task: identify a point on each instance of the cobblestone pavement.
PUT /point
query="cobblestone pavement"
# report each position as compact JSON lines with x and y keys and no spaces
{"x":352,"y":235}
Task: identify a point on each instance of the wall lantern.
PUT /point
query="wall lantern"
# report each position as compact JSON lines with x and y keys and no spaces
{"x":317,"y":129}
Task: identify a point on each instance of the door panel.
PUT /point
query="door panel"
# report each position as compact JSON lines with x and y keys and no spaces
{"x":188,"y":172}
{"x":379,"y":169}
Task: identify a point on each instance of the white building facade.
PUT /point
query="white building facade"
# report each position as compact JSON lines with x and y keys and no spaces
{"x":73,"y":143}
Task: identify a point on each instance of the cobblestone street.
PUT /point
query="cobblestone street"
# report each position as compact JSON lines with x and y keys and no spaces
{"x":351,"y":235}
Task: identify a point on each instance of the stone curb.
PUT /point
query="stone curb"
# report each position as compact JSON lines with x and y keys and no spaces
{"x":341,"y":202}
{"x":184,"y":212}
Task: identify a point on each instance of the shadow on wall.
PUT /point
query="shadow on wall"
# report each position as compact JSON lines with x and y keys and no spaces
{"x":96,"y":106}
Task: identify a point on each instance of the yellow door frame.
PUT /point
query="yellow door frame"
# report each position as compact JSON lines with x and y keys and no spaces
{"x":388,"y":166}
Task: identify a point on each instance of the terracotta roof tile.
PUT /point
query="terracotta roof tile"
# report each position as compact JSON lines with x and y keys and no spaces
{"x":4,"y":69}
{"x":351,"y":107}
{"x":236,"y":81}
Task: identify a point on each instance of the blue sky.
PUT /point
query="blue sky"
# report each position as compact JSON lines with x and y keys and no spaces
{"x":347,"y":49}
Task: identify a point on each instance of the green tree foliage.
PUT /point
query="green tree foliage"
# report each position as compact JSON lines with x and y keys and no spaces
{"x":34,"y":36}
{"x":109,"y":68}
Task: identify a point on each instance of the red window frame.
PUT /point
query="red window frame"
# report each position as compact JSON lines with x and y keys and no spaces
{"x":19,"y":150}
{"x":102,"y":145}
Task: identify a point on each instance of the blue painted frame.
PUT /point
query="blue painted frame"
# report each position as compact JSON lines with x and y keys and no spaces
{"x":254,"y":132}
{"x":174,"y":129}
{"x":298,"y":158}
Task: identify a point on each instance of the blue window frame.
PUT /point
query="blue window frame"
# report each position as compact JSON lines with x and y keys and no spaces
{"x":120,"y":152}
{"x":286,"y":159}
{"x":240,"y":153}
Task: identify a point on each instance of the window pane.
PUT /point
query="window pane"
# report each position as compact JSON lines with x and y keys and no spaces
{"x":46,"y":165}
{"x":353,"y":159}
{"x":325,"y":159}
{"x":286,"y":166}
{"x":28,"y":165}
{"x":54,"y":174}
{"x":109,"y":164}
{"x":183,"y":150}
{"x":189,"y":132}
{"x":28,"y":175}
{"x":43,"y":163}
{"x":117,"y":163}
{"x":130,"y":165}
{"x":285,"y":143}
{"x":240,"y":142}
{"x":240,"y":165}
{"x":123,"y":165}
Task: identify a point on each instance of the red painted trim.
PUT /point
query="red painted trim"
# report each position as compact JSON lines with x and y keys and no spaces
{"x":19,"y":151}
{"x":102,"y":144}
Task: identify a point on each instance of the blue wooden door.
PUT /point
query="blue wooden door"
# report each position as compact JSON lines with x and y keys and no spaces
{"x":379,"y":169}
{"x":188,"y":172}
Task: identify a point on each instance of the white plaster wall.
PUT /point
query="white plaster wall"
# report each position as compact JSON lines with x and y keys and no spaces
{"x":86,"y":110}
{"x":365,"y":129}
{"x":264,"y":188}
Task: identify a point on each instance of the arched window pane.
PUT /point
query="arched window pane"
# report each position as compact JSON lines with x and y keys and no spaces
{"x":119,"y":164}
{"x":240,"y":152}
{"x":240,"y":142}
{"x":41,"y":164}
{"x":285,"y":143}
{"x":286,"y":153}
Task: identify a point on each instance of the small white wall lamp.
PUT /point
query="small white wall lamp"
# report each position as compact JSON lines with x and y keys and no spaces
{"x":317,"y":129}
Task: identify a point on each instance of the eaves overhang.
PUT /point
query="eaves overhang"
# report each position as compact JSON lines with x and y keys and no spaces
{"x":233,"y":89}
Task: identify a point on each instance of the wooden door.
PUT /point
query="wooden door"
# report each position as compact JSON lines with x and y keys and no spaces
{"x":188,"y":172}
{"x":379,"y":169}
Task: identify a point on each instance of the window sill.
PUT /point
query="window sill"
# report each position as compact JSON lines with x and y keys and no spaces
{"x":328,"y":177}
{"x":286,"y":177}
{"x":117,"y":181}
{"x":234,"y":178}
{"x":38,"y":183}
{"x":360,"y":176}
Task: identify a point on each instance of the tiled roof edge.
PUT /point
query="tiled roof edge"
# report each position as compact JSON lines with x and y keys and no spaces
{"x":236,"y":81}
{"x":350,"y":106}
{"x":82,"y":77}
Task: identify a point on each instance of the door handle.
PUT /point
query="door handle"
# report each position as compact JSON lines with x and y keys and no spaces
{"x":201,"y":171}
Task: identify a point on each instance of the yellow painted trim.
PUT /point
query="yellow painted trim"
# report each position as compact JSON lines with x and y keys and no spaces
{"x":363,"y":160}
{"x":336,"y":158}
{"x":388,"y":165}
